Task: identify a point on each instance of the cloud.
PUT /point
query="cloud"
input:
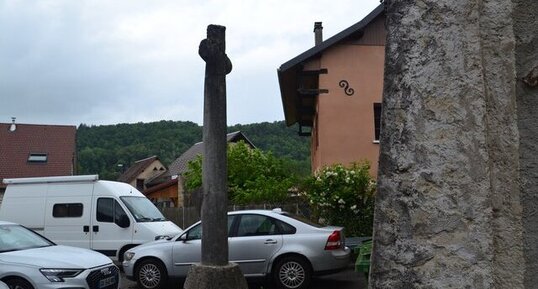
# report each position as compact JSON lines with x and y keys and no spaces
{"x":102,"y":62}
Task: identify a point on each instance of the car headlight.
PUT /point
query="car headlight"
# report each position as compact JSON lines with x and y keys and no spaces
{"x":58,"y":275}
{"x":128,"y":256}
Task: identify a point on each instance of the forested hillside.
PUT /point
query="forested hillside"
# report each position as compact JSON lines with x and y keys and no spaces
{"x":103,"y":149}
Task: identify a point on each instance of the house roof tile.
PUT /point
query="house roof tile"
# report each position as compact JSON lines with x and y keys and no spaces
{"x":161,"y":186}
{"x":57,"y":142}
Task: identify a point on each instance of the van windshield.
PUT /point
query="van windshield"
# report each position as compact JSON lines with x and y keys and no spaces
{"x":143,"y":209}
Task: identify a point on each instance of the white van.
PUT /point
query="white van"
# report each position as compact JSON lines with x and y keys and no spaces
{"x":83,"y":211}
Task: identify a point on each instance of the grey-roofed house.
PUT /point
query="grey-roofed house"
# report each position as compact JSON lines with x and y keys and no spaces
{"x":179,"y":166}
{"x":170,"y":191}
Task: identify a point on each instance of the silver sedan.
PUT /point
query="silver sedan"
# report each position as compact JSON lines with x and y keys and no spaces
{"x":263,"y":243}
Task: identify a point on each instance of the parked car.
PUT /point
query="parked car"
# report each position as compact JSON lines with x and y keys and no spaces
{"x":31,"y":261}
{"x":264,"y":244}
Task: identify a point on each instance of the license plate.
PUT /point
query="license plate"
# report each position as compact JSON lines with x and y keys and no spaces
{"x":107,"y":282}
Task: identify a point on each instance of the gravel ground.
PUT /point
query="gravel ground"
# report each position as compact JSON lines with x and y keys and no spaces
{"x":127,"y":284}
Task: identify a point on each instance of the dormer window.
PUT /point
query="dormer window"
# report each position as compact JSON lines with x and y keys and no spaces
{"x":37,"y":158}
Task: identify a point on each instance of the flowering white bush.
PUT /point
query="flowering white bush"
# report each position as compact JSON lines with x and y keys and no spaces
{"x":343,"y":196}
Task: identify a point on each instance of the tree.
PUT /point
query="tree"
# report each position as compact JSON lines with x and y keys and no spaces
{"x":101,"y":148}
{"x":254,"y":176}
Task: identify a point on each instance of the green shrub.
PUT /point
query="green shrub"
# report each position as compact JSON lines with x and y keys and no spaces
{"x":343,"y":196}
{"x":254,"y":176}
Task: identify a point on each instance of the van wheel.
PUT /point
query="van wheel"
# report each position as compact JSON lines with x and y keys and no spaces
{"x":18,"y":283}
{"x":292,"y":273}
{"x":151,"y":274}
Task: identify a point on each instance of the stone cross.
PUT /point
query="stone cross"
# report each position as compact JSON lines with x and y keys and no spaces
{"x":214,"y":169}
{"x":215,"y":271}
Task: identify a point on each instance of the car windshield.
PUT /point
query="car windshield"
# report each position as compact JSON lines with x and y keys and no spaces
{"x":143,"y":209}
{"x":16,"y":237}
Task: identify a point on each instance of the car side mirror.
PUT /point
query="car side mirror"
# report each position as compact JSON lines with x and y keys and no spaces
{"x":124,"y":222}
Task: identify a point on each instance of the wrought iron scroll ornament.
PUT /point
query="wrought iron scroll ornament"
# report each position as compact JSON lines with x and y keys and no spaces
{"x":345,"y":85}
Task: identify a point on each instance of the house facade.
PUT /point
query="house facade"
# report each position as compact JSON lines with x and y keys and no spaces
{"x":31,"y":150}
{"x":143,"y":172}
{"x":167,"y":194}
{"x":334,"y":92}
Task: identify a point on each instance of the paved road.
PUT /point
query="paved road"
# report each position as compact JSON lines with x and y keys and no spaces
{"x":347,"y":279}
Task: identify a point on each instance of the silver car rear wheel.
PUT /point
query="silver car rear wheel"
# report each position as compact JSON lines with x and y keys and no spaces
{"x":151,"y":274}
{"x":292,"y":273}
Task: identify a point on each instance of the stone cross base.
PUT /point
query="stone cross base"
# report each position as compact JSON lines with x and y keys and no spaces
{"x":215,"y":277}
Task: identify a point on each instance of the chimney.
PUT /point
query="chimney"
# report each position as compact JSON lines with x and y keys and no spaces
{"x":318,"y":33}
{"x":12,"y":127}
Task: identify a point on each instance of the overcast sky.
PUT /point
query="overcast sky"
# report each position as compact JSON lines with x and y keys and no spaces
{"x":124,"y":61}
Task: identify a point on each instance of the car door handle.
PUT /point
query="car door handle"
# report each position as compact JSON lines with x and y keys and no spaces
{"x":270,"y":241}
{"x":96,"y":228}
{"x":86,"y":229}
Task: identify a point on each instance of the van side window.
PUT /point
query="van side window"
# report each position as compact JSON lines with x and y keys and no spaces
{"x":67,"y":210}
{"x":105,"y":210}
{"x":109,"y":210}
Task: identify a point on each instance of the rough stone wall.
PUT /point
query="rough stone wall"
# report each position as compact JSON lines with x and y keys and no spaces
{"x":448,"y":212}
{"x":498,"y":73}
{"x":526,"y":32}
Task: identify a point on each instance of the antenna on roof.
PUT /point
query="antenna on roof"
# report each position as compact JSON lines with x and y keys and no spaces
{"x":13,"y":127}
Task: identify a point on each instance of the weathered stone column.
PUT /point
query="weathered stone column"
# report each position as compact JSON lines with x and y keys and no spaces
{"x":448,"y":212}
{"x":214,"y":172}
{"x":215,"y":271}
{"x":526,"y":32}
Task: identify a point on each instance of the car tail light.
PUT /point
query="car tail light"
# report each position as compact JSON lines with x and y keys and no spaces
{"x":334,"y":241}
